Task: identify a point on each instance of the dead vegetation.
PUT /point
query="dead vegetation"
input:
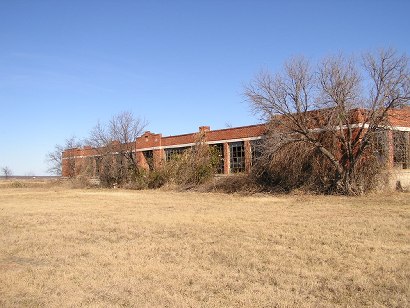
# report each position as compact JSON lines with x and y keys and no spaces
{"x":334,"y":110}
{"x":91,"y":248}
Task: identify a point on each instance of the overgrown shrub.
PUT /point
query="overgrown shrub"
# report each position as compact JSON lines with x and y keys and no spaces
{"x":299,"y":166}
{"x":193,"y":167}
{"x":190,"y":168}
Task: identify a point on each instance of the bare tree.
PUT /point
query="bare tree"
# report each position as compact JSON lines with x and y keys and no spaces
{"x":115,"y":146}
{"x":6,"y":172}
{"x":54,"y":158}
{"x":335,"y":110}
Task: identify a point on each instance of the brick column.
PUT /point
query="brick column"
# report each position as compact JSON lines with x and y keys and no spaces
{"x":158,"y":158}
{"x":227,"y":159}
{"x":141,"y":161}
{"x":248,"y":155}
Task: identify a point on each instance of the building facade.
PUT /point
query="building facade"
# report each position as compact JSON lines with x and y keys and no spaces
{"x":237,"y":147}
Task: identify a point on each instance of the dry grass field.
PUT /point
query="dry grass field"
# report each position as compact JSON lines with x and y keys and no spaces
{"x":111,"y":248}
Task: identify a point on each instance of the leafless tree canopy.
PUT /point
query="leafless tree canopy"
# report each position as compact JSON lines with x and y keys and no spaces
{"x":123,"y":128}
{"x":348,"y":99}
{"x":115,"y":143}
{"x":54,"y":158}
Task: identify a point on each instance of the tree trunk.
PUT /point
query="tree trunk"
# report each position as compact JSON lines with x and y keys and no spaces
{"x":346,"y":183}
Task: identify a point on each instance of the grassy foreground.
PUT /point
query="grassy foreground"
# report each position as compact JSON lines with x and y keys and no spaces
{"x":92,"y":248}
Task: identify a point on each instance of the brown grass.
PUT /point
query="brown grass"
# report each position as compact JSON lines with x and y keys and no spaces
{"x":92,"y":248}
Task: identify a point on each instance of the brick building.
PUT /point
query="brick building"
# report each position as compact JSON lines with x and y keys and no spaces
{"x":236,"y":146}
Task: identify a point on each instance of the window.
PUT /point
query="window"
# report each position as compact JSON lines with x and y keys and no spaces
{"x":219,"y":149}
{"x":380,"y":144}
{"x":401,"y":149}
{"x":149,"y":158}
{"x":237,"y":157}
{"x":256,"y":150}
{"x":98,"y":163}
{"x":173,"y":152}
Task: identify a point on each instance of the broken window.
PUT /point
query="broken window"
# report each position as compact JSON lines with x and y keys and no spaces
{"x":237,"y":157}
{"x":174,"y":152}
{"x":401,"y":149}
{"x":256,"y":150}
{"x":149,"y":158}
{"x":219,"y":149}
{"x":380,"y":144}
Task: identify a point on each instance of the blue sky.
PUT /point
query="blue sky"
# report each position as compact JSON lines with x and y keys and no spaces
{"x":65,"y":65}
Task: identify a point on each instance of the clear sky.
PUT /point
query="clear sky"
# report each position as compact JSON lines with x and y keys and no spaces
{"x":65,"y":65}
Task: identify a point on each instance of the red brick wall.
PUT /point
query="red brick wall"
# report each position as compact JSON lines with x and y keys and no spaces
{"x":149,"y":139}
{"x":400,"y":117}
{"x":157,"y":143}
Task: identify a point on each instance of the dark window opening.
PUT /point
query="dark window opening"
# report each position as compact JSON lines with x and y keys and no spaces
{"x":401,"y":149}
{"x":219,"y":149}
{"x":149,"y":158}
{"x":380,"y":148}
{"x":174,"y":152}
{"x":237,"y":162}
{"x":256,"y":150}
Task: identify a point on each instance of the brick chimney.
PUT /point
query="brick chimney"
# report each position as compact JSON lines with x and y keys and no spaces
{"x":203,"y":129}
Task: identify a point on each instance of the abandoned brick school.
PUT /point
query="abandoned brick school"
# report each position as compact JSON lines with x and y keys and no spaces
{"x":237,"y":147}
